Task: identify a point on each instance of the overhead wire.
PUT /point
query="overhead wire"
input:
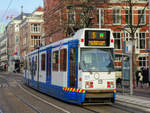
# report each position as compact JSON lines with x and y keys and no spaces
{"x":10,"y":2}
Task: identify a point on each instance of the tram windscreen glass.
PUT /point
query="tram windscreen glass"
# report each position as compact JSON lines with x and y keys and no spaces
{"x":97,"y":38}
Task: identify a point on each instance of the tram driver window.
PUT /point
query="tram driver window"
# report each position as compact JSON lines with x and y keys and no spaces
{"x":55,"y":61}
{"x":43,"y":62}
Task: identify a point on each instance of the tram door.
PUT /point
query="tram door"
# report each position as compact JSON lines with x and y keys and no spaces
{"x":73,"y":69}
{"x":48,"y":65}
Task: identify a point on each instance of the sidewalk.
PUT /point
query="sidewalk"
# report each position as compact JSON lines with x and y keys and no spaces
{"x":140,"y":99}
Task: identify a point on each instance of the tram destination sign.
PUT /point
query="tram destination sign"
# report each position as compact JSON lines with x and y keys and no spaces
{"x":97,"y":38}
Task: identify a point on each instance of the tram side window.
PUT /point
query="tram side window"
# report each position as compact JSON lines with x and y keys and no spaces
{"x":36,"y":63}
{"x":43,"y":62}
{"x":30,"y":64}
{"x":63,"y":59}
{"x":55,"y":61}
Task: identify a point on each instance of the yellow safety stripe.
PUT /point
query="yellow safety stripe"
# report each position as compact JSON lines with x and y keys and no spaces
{"x":74,"y":90}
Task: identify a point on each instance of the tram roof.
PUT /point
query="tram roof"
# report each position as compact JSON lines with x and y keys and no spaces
{"x":75,"y":36}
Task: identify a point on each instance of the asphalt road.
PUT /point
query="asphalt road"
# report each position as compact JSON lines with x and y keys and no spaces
{"x":15,"y":97}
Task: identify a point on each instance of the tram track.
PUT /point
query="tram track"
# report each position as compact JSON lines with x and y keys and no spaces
{"x":39,"y":98}
{"x":97,"y":111}
{"x":30,"y":105}
{"x":45,"y":102}
{"x":24,"y":94}
{"x":18,"y":97}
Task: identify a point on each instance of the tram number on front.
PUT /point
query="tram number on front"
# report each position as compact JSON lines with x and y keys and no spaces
{"x":100,"y":81}
{"x":96,"y":43}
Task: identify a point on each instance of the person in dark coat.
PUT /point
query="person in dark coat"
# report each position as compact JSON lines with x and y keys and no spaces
{"x":145,"y":75}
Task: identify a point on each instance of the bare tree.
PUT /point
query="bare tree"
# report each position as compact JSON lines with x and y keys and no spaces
{"x":132,"y":28}
{"x":80,"y":15}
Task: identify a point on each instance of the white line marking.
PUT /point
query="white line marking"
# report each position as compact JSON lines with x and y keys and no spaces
{"x":44,"y":100}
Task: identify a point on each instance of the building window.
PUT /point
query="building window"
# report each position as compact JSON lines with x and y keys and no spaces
{"x":17,"y":39}
{"x":116,"y":16}
{"x":118,"y":58}
{"x":55,"y":61}
{"x":141,"y":16}
{"x":117,"y":43}
{"x":142,"y":61}
{"x":63,"y":60}
{"x":127,"y":16}
{"x":43,"y":62}
{"x":35,"y":41}
{"x":71,"y":17}
{"x":142,"y":40}
{"x":35,"y":28}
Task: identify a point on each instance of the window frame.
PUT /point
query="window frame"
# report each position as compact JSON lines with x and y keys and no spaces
{"x":35,"y":40}
{"x":142,"y":61}
{"x":35,"y":28}
{"x":142,"y":18}
{"x":43,"y":62}
{"x":117,"y":39}
{"x":127,"y":16}
{"x":55,"y":65}
{"x":71,"y":17}
{"x":117,"y":16}
{"x":63,"y":60}
{"x":142,"y":39}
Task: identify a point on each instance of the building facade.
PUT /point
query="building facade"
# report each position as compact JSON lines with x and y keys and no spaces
{"x":113,"y":14}
{"x":3,"y":52}
{"x":63,"y":17}
{"x":31,"y":32}
{"x":13,"y":33}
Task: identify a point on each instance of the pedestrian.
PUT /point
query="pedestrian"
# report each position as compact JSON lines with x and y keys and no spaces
{"x":137,"y":76}
{"x":141,"y":78}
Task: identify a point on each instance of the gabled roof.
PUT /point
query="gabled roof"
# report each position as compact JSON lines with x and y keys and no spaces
{"x":24,"y":14}
{"x":39,"y":9}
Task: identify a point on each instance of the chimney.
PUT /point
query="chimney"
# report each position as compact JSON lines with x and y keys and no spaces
{"x":22,"y":12}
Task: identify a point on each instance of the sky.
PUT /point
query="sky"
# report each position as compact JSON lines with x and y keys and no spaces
{"x":10,"y":8}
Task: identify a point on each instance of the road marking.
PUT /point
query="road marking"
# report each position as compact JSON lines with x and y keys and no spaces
{"x":44,"y":100}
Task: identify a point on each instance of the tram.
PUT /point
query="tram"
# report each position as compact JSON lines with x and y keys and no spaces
{"x":78,"y":69}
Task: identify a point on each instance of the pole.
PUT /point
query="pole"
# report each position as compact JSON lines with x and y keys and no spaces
{"x":131,"y":70}
{"x":123,"y":52}
{"x":99,"y":17}
{"x":149,"y":42}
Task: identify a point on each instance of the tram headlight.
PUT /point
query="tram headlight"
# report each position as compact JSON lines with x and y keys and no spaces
{"x":87,"y":84}
{"x":96,"y":76}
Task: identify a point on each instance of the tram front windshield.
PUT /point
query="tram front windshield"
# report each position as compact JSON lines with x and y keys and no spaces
{"x":96,"y":60}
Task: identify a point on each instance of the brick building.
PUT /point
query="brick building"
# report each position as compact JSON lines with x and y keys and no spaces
{"x":62,"y":17}
{"x":31,"y":31}
{"x":114,"y":14}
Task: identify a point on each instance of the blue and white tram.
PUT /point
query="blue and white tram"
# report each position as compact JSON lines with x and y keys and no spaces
{"x":78,"y":69}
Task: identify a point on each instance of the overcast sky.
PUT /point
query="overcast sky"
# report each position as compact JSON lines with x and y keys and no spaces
{"x":13,"y":7}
